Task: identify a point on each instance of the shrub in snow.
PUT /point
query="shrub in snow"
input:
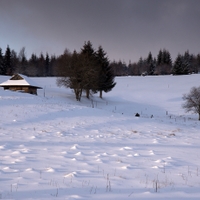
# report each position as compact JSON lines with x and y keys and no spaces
{"x":192,"y":101}
{"x":137,"y":115}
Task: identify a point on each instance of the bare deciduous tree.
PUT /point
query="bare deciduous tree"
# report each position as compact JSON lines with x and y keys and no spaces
{"x":192,"y":101}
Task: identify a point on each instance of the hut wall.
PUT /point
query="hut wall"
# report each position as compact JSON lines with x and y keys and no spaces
{"x":31,"y":90}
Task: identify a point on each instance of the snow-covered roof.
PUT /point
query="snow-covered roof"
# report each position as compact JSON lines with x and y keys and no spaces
{"x":19,"y":80}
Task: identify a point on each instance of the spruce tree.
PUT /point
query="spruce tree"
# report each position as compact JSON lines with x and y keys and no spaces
{"x":91,"y":70}
{"x":47,"y":65}
{"x":178,"y":66}
{"x":167,"y":62}
{"x":164,"y":62}
{"x":149,"y":58}
{"x":14,"y":61}
{"x":164,"y":56}
{"x":32,"y":68}
{"x":41,"y":65}
{"x":22,"y":61}
{"x":168,"y":59}
{"x":151,"y":66}
{"x":7,"y":62}
{"x":160,"y":58}
{"x":198,"y":62}
{"x":187,"y":60}
{"x":2,"y":68}
{"x":106,"y":75}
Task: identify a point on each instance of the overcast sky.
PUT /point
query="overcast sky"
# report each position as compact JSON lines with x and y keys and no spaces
{"x":126,"y":29}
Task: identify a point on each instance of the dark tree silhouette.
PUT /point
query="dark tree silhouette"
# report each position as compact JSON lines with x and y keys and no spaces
{"x":47,"y":65}
{"x":32,"y":68}
{"x":106,"y":75}
{"x":73,"y":73}
{"x":7,"y":62}
{"x":91,"y":69}
{"x":14,"y":61}
{"x":2,"y":66}
{"x":22,"y":68}
{"x":192,"y":101}
{"x":181,"y":67}
{"x":150,"y":63}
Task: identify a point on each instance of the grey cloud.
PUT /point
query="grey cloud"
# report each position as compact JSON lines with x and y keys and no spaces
{"x":126,"y":29}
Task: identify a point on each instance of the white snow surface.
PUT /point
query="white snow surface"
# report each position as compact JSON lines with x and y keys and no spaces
{"x":53,"y":147}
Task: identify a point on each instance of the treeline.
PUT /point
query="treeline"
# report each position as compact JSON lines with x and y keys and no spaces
{"x":11,"y":63}
{"x":45,"y":65}
{"x":160,"y":65}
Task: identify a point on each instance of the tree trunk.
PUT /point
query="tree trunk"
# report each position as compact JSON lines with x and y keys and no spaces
{"x":78,"y":93}
{"x":88,"y":93}
{"x":100,"y":94}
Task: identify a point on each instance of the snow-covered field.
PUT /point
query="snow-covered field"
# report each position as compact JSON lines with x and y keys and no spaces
{"x":53,"y":147}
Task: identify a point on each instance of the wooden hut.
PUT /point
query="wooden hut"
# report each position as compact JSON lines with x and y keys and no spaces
{"x":19,"y":82}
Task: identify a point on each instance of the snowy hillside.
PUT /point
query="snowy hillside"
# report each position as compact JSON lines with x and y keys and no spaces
{"x":53,"y":147}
